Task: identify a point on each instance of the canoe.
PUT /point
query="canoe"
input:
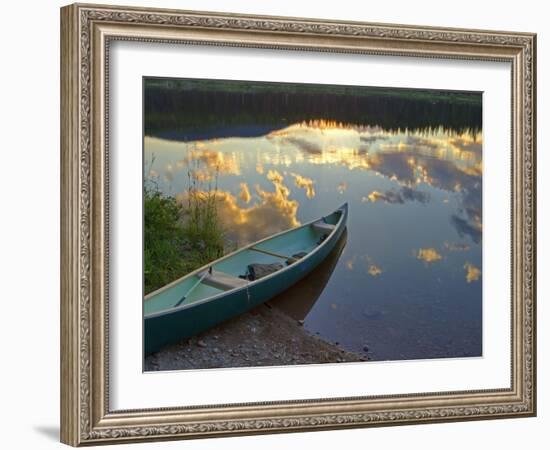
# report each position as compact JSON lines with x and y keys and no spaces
{"x":239,"y":281}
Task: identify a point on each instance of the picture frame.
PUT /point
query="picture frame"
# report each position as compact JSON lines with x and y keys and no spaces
{"x":87,"y":32}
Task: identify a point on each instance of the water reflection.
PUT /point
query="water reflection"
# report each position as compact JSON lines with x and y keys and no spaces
{"x":206,"y":164}
{"x":298,"y":301}
{"x":305,"y":183}
{"x":472,"y":272}
{"x":415,"y":223}
{"x":428,"y":255}
{"x":342,"y":187}
{"x":374,"y":270}
{"x":456,"y":246}
{"x":400,"y":196}
{"x":245,"y":192}
{"x":272,"y":211}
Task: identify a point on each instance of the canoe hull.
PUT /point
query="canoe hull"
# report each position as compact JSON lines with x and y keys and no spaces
{"x":161,"y":330}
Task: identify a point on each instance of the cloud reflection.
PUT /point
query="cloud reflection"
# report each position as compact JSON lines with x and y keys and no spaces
{"x":456,"y":246}
{"x":305,"y":145}
{"x":245,"y":193}
{"x":304,"y":183}
{"x":374,"y":270}
{"x":398,"y":197}
{"x":472,"y":272}
{"x":464,"y":227}
{"x":428,"y":255}
{"x":342,"y":187}
{"x":274,"y":212}
{"x":275,"y":176}
{"x":439,"y":158}
{"x":434,"y":158}
{"x":206,"y":164}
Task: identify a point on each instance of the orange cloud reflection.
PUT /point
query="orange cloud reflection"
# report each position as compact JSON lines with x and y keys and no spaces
{"x":273,"y":213}
{"x":472,"y":272}
{"x":205,"y":164}
{"x":274,"y":176}
{"x":428,"y":255}
{"x":245,"y":193}
{"x":304,"y":183}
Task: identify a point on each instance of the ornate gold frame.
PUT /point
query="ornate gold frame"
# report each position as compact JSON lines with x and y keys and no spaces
{"x":86,"y":31}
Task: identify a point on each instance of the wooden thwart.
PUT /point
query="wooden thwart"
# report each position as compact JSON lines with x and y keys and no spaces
{"x":277,"y":255}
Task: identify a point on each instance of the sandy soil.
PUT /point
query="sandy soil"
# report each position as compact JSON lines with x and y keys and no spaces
{"x":264,"y":336}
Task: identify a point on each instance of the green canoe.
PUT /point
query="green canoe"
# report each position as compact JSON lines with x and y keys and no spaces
{"x":234,"y":284}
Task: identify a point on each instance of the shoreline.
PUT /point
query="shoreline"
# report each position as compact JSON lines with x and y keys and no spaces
{"x":262,"y":337}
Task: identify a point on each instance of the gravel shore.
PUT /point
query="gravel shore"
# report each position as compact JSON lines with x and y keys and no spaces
{"x":264,"y":336}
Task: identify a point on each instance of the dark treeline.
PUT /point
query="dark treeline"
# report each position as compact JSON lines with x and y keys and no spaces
{"x":193,"y":108}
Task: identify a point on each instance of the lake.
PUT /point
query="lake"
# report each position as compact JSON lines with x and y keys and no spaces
{"x":406,"y":280}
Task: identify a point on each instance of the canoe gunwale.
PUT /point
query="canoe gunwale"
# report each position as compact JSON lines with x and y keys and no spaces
{"x":214,"y":297}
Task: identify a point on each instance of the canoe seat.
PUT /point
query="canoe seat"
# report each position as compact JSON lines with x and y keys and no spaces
{"x":223,"y":281}
{"x":323,"y":227}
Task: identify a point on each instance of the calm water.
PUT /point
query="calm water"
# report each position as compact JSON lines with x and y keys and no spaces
{"x":406,"y":280}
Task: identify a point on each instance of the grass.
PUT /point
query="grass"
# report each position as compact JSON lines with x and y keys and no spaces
{"x":254,"y":87}
{"x":179,"y":237}
{"x":202,"y":226}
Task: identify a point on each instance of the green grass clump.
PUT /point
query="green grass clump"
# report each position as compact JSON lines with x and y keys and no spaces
{"x":179,"y":237}
{"x":164,"y":241}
